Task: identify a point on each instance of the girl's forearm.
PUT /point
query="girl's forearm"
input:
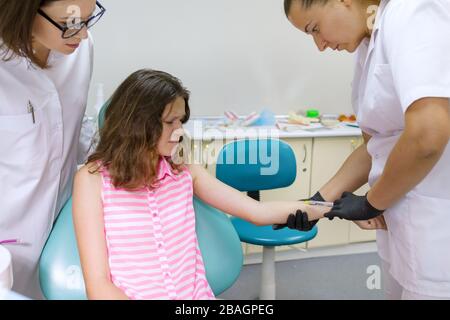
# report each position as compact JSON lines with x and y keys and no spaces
{"x":278,"y":212}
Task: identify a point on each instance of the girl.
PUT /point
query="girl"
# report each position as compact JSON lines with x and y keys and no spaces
{"x":46,"y":57}
{"x":132,"y":205}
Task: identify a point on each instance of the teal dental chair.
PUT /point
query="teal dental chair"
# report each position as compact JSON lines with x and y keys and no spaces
{"x":60,"y":272}
{"x":245,"y":166}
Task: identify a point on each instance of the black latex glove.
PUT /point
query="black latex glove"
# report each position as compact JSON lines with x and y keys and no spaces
{"x":354,"y":208}
{"x":299,"y":220}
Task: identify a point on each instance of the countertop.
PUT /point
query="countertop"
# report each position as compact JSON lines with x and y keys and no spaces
{"x":207,"y":128}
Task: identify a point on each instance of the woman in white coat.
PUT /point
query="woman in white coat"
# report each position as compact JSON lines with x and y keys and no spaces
{"x":401,"y":92}
{"x":46,"y":57}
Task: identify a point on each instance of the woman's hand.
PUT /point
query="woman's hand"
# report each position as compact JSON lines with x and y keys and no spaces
{"x":377,"y":223}
{"x":299,"y":220}
{"x":354,"y":208}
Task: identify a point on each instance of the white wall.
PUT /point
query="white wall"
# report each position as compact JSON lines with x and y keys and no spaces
{"x":232,"y":54}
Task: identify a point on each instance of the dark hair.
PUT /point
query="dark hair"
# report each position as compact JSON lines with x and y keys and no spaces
{"x":133,"y":127}
{"x":16,"y":29}
{"x":306,"y":4}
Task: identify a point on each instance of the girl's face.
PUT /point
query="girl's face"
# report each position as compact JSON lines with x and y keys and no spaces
{"x":172,"y":120}
{"x":338,"y":24}
{"x":46,"y":36}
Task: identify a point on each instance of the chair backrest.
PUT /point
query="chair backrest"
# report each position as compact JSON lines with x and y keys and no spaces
{"x":60,"y":272}
{"x":102,"y":113}
{"x":220,"y":246}
{"x":257,"y":164}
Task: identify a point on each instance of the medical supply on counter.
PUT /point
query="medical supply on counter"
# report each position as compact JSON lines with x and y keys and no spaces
{"x":330,"y":120}
{"x":254,"y":119}
{"x":295,"y":118}
{"x":266,"y":118}
{"x":312,"y":113}
{"x":6,"y":273}
{"x":345,"y":118}
{"x":351,"y":125}
{"x":250,"y":119}
{"x":288,"y":127}
{"x":231,"y":116}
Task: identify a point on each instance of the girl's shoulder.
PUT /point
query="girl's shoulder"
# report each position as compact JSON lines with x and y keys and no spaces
{"x":195,"y":170}
{"x":191,"y":169}
{"x":89,"y":175}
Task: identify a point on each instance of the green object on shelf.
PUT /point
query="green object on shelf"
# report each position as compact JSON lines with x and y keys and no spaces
{"x":312,"y":113}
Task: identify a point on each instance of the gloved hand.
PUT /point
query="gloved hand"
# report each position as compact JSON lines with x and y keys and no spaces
{"x":354,"y":208}
{"x":299,"y":220}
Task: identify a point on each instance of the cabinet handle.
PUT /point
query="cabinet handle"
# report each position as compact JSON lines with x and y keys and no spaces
{"x":207,"y":155}
{"x":305,"y":150}
{"x":354,"y":144}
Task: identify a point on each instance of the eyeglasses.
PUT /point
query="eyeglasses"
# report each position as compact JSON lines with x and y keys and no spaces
{"x":72,"y":29}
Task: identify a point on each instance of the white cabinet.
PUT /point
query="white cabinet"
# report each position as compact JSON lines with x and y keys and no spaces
{"x":300,"y":188}
{"x":328,"y":156}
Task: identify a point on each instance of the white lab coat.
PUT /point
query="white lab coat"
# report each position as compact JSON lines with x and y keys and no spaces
{"x":408,"y":58}
{"x":38,"y":160}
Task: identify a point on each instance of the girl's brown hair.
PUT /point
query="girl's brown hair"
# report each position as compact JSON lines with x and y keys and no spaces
{"x":16,"y":29}
{"x":133,"y":127}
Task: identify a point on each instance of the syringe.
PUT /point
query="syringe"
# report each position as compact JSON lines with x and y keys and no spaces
{"x":319,"y":203}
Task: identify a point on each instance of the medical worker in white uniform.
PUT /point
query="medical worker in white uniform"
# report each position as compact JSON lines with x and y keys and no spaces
{"x":45,"y":69}
{"x":401,"y":92}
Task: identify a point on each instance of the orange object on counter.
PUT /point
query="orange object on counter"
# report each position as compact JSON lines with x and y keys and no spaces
{"x":342,"y":118}
{"x":345,"y":118}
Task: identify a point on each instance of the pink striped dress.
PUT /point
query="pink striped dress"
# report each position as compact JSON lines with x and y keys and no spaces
{"x":152,"y":245}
